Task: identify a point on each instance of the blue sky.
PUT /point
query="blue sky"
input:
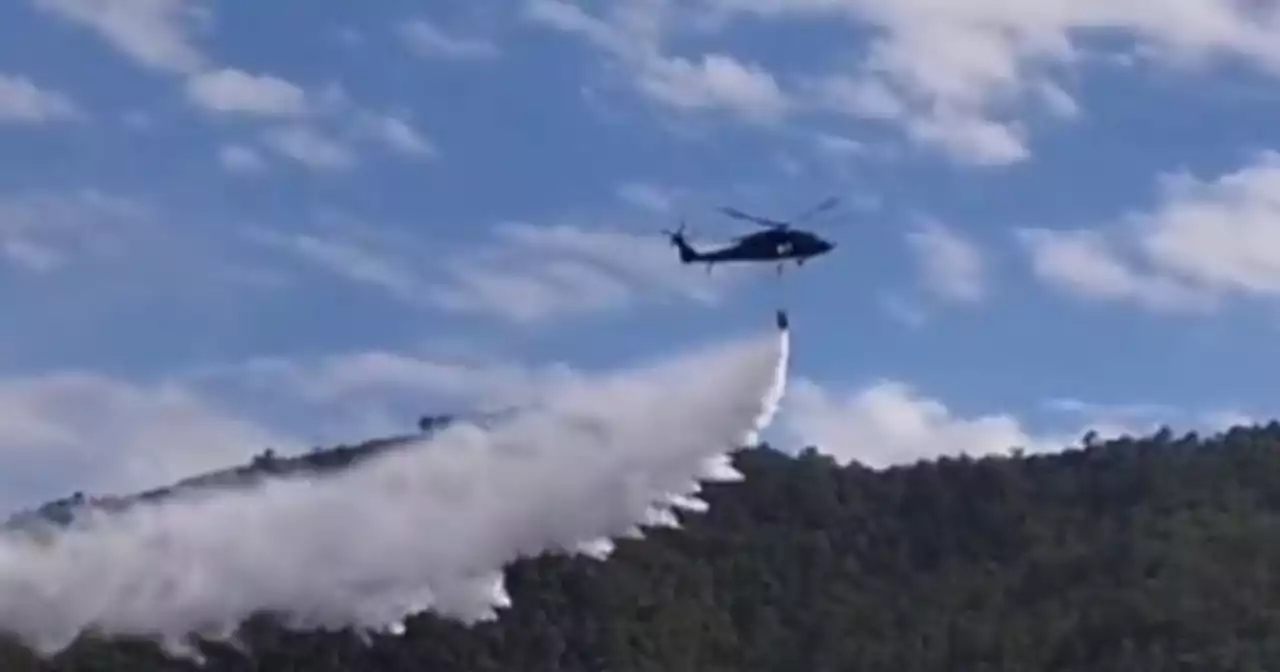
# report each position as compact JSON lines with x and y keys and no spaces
{"x":227,"y":224}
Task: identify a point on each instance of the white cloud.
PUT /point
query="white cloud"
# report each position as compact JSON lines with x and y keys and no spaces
{"x":868,"y":99}
{"x":84,"y":249}
{"x":1204,"y":240}
{"x":534,"y":273}
{"x":647,"y":196}
{"x":1142,"y":418}
{"x":76,"y":252}
{"x":618,"y":39}
{"x":154,"y":33}
{"x":717,"y":81}
{"x":366,"y":261}
{"x":343,"y":379}
{"x":1080,"y":262}
{"x":71,"y":431}
{"x":157,"y":34}
{"x":83,"y":256}
{"x":838,"y":145}
{"x":951,"y":265}
{"x":350,"y":395}
{"x":21,"y":101}
{"x":632,"y":34}
{"x":889,"y":423}
{"x":971,"y":139}
{"x":1059,"y":101}
{"x":1221,"y":234}
{"x":1136,"y":418}
{"x":325,"y":151}
{"x":1087,"y":408}
{"x":524,"y":274}
{"x":963,"y":134}
{"x":426,"y":39}
{"x":42,"y":231}
{"x":398,"y":135}
{"x":310,"y":148}
{"x":228,"y":90}
{"x":903,"y":310}
{"x":241,"y":159}
{"x":954,"y":76}
{"x":30,"y":255}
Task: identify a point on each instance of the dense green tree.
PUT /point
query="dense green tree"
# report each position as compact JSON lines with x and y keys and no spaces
{"x":1134,"y":555}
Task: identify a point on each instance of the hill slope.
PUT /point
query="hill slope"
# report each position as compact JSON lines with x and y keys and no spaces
{"x":1134,"y":555}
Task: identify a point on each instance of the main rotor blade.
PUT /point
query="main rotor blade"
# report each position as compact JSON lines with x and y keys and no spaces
{"x":824,"y":206}
{"x":762,"y":221}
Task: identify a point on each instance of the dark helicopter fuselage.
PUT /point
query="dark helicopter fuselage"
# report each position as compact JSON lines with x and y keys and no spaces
{"x":776,"y":244}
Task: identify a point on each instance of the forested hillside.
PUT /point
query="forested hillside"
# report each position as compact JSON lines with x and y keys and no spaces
{"x":1153,"y":555}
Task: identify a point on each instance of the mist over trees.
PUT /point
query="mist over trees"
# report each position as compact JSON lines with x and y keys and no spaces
{"x":1158,"y":553}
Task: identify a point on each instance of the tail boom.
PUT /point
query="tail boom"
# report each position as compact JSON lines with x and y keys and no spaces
{"x":688,"y":255}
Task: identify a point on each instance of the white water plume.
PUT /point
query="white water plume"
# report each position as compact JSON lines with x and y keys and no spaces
{"x":428,"y":527}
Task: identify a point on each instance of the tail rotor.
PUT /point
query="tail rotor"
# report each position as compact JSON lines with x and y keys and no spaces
{"x":687,"y":253}
{"x":677,"y":236}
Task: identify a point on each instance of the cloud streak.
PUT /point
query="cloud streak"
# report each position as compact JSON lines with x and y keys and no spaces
{"x":1205,"y":239}
{"x":956,"y":78}
{"x":951,"y":266}
{"x":531,"y":274}
{"x":890,"y":423}
{"x":113,"y":435}
{"x":633,"y":35}
{"x":23,"y":102}
{"x":427,"y":40}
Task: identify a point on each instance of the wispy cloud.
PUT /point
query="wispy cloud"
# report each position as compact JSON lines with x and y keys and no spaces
{"x":361,"y":259}
{"x":647,"y":196}
{"x":68,"y":431}
{"x":154,"y":33}
{"x":1205,"y":240}
{"x":1083,"y":264}
{"x":43,"y":231}
{"x":954,"y":79}
{"x":242,"y":159}
{"x":228,"y":90}
{"x":323,"y":123}
{"x":398,"y":135}
{"x":22,"y":102}
{"x":530,"y":274}
{"x":424,"y":38}
{"x":839,"y":145}
{"x":634,"y":37}
{"x":951,"y":266}
{"x":889,"y":422}
{"x":309,"y":147}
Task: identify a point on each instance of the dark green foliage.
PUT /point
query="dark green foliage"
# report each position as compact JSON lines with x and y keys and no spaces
{"x":1158,"y":555}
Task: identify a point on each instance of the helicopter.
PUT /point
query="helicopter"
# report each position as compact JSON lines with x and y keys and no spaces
{"x":779,"y":242}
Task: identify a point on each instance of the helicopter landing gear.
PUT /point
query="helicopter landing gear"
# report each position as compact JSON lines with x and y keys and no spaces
{"x":782,"y":265}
